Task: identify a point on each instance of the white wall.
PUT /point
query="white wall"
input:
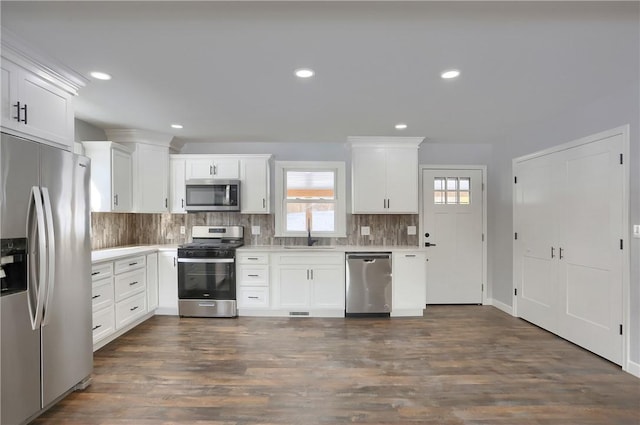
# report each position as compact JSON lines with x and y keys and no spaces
{"x":612,"y":111}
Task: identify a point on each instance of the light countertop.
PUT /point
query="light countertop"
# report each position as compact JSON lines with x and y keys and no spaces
{"x":125,"y":251}
{"x":327,"y":248}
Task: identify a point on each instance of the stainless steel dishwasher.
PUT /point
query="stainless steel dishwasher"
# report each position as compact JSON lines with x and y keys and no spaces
{"x":368,"y":289}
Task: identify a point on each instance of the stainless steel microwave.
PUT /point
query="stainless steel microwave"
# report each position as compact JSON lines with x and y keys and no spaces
{"x":212,"y":195}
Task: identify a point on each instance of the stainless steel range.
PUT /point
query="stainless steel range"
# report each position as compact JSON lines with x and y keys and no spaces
{"x":207,"y":272}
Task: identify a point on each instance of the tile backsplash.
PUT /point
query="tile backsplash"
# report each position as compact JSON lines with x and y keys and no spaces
{"x":110,"y":230}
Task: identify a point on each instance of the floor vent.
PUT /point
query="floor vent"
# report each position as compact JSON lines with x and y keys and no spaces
{"x":298,"y":313}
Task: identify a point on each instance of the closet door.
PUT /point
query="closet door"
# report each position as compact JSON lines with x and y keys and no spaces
{"x":536,"y":221}
{"x":568,"y":257}
{"x":590,"y":257}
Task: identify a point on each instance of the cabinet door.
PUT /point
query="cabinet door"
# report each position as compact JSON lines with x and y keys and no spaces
{"x":402,"y":181}
{"x":328,"y":287}
{"x":9,"y":94}
{"x":409,"y":281}
{"x":121,"y":181}
{"x":49,"y":110}
{"x":152,"y":179}
{"x":177,"y":189}
{"x":152,"y":281}
{"x":226,"y":168}
{"x":167,"y":283}
{"x":199,"y":168}
{"x":368,"y":181}
{"x":255,"y":186}
{"x":295,"y":287}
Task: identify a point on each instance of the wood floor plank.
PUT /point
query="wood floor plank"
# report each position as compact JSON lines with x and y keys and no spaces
{"x":456,"y":365}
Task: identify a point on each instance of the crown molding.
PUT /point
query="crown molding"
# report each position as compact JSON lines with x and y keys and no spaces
{"x":25,"y":55}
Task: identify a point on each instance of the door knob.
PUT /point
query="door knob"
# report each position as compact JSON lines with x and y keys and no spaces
{"x":426,"y":235}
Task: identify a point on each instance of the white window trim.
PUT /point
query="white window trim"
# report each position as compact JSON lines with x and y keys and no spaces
{"x":341,"y":202}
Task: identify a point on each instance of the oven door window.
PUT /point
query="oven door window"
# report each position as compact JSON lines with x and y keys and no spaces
{"x":212,"y":279}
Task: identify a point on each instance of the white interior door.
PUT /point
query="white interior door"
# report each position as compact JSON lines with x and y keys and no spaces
{"x":590,"y":263}
{"x":568,"y":260}
{"x":452,"y":225}
{"x":536,"y":244}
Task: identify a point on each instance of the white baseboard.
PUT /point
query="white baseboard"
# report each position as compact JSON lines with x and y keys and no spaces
{"x":633,"y":368}
{"x":501,"y":306}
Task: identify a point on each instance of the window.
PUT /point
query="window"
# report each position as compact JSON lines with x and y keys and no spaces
{"x":310,"y":196}
{"x":452,"y":190}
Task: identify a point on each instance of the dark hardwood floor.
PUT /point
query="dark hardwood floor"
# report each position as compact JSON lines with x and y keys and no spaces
{"x":456,"y":365}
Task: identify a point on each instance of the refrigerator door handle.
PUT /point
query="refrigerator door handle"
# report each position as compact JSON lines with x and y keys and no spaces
{"x":37,"y":272}
{"x":51,"y":255}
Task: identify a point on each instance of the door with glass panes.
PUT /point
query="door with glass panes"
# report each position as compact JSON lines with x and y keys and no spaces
{"x":452,"y":234}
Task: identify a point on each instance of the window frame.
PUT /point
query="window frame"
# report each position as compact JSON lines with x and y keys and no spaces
{"x":338,"y":167}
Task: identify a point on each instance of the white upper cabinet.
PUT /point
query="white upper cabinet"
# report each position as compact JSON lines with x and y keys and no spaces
{"x":177,"y":191}
{"x":36,"y":103}
{"x":150,"y":167}
{"x":210,"y":167}
{"x":151,"y":178}
{"x":384,"y":175}
{"x":111,"y":176}
{"x":255,"y":185}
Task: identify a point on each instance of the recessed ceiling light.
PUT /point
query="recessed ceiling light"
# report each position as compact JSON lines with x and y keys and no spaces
{"x":100,"y":75}
{"x":401,"y":126}
{"x":304,"y":73}
{"x":451,"y":73}
{"x":176,"y":126}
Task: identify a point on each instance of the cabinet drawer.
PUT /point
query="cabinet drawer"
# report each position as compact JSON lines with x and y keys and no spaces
{"x":103,"y":324}
{"x":130,"y":263}
{"x":253,"y":275}
{"x":130,"y":309}
{"x":129,"y":283}
{"x":102,"y":295}
{"x":255,"y":258}
{"x":101,"y":271}
{"x":254,"y":297}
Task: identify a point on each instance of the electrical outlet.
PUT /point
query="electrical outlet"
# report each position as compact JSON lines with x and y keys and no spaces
{"x":365,"y":230}
{"x":636,"y":230}
{"x":411,"y":230}
{"x":183,"y":230}
{"x":255,"y":230}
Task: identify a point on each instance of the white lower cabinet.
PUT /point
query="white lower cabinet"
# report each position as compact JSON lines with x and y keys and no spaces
{"x":130,"y":309}
{"x":122,"y":295}
{"x":252,"y":287}
{"x":152,"y":281}
{"x":409,"y":270}
{"x":168,"y":282}
{"x":102,"y":300}
{"x":309,"y":284}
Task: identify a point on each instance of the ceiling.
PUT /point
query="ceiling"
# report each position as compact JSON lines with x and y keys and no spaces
{"x":224,"y":70}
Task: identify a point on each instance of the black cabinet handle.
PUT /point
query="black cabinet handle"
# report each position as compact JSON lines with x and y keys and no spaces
{"x":133,"y":283}
{"x":96,"y":327}
{"x":95,"y":273}
{"x":133,"y":308}
{"x":182,"y":202}
{"x":18,"y":109}
{"x":253,"y":275}
{"x":95,"y":296}
{"x":133,"y":264}
{"x":253,"y":298}
{"x":166,"y":202}
{"x":427,"y":244}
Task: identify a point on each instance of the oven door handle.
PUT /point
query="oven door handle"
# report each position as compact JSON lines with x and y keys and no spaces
{"x":206,"y":260}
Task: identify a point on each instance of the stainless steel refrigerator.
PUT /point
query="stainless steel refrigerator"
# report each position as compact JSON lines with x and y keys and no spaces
{"x":45,"y":302}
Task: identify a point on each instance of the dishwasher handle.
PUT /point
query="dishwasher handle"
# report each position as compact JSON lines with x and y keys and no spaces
{"x":369,"y":256}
